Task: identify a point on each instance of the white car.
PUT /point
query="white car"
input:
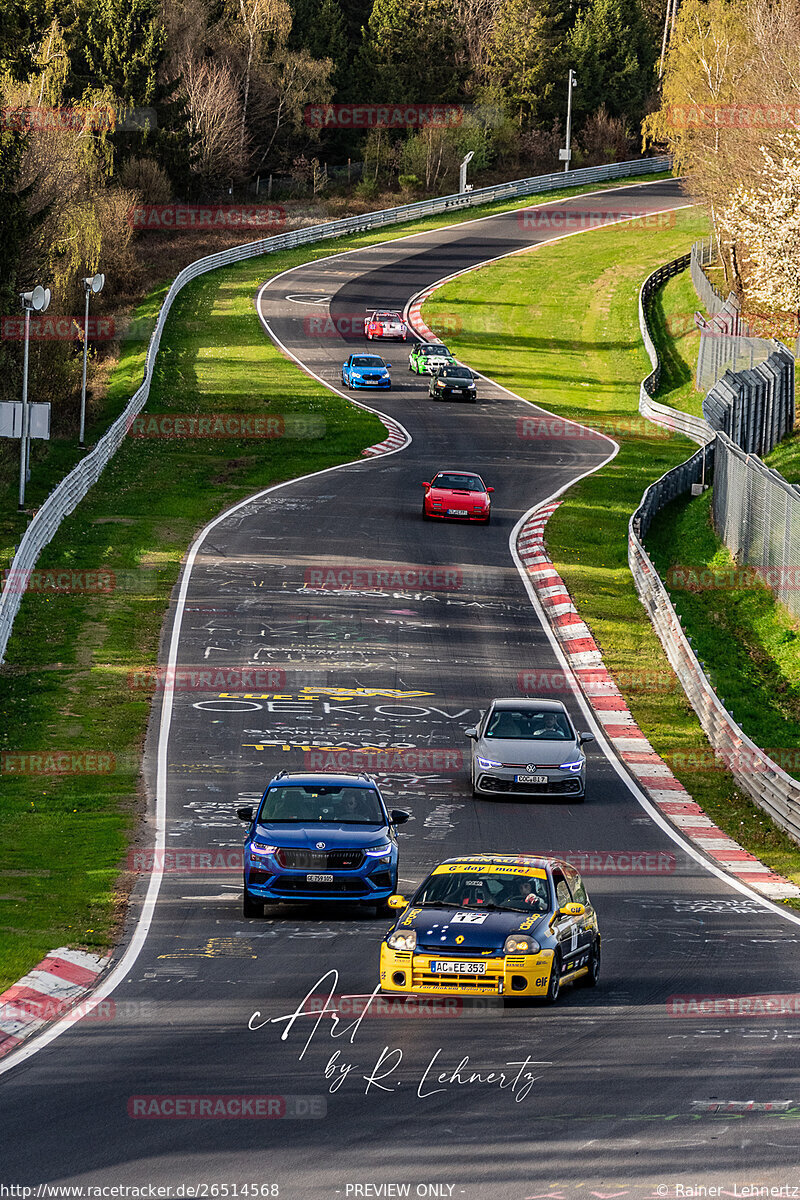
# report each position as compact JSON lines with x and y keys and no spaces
{"x":381,"y":323}
{"x":528,"y":747}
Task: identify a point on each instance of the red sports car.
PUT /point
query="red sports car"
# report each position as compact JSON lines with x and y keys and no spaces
{"x":457,"y":496}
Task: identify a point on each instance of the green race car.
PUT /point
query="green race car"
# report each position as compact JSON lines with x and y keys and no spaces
{"x":428,"y":357}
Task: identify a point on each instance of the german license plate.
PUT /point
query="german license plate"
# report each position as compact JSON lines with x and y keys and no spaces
{"x":531,"y":779}
{"x":319,"y":879}
{"x":458,"y":968}
{"x":456,"y":512}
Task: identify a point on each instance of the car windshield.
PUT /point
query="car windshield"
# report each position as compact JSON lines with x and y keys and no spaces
{"x":367,"y":360}
{"x":434,"y":350}
{"x":304,"y":804}
{"x":455,"y":373}
{"x":527,"y":724}
{"x":461,"y":483}
{"x":519,"y":892}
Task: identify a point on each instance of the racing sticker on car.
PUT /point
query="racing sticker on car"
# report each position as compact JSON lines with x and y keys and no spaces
{"x":468,"y":918}
{"x":487,"y":868}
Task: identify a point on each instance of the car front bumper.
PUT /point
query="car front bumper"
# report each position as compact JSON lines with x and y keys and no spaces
{"x":446,"y":516}
{"x":496,"y":781}
{"x":363,"y":383}
{"x":283,"y":886}
{"x":505,"y":974}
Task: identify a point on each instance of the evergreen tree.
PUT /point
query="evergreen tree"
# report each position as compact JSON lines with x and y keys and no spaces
{"x":613,"y":51}
{"x":410,"y":53}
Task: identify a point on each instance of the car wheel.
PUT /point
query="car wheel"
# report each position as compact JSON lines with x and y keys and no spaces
{"x":425,"y":516}
{"x":488,"y":520}
{"x":554,"y":986}
{"x":382,"y":910}
{"x":591,"y":979}
{"x":251,"y":907}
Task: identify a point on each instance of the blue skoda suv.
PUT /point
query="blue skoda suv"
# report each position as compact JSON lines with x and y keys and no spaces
{"x":320,"y":837}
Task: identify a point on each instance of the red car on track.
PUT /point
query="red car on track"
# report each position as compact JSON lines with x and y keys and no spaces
{"x":382,"y":323}
{"x":457,"y":496}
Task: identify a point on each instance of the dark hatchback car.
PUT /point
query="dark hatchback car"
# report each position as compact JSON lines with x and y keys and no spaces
{"x":453,"y":383}
{"x":323,"y":838}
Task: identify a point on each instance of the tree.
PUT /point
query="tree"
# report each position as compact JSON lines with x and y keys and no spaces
{"x":410,"y":52}
{"x":525,"y":58}
{"x":213,"y":101}
{"x":612,"y":49}
{"x":766,"y":218}
{"x":265,"y":26}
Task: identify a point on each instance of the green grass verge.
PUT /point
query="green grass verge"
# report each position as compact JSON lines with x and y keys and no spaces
{"x":672,"y":310}
{"x":64,"y":686}
{"x":566,"y":336}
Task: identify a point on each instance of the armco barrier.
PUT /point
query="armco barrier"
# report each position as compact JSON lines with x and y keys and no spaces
{"x":776,"y":792}
{"x":661,"y":414}
{"x":73,"y":487}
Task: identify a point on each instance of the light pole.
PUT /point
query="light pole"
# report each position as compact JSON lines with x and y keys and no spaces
{"x":567,"y":152}
{"x":92,"y":284}
{"x":35,"y":301}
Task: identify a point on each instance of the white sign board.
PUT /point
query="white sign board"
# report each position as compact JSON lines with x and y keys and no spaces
{"x":11,"y":420}
{"x":564,"y":155}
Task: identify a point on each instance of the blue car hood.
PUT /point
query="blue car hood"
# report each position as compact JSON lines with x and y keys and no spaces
{"x":438,"y":928}
{"x":335,"y":836}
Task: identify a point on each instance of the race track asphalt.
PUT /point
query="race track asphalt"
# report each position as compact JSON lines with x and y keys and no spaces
{"x":623,"y":1093}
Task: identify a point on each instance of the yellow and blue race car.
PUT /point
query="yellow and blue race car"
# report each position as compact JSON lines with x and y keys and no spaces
{"x":493,"y":925}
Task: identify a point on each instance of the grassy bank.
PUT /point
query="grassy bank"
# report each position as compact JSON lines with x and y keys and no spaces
{"x":581,"y":357}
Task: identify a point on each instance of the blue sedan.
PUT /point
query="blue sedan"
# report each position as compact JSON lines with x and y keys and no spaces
{"x":322,"y":837}
{"x":366,"y":370}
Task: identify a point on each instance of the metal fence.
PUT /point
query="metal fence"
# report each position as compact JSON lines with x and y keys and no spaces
{"x":692,"y":427}
{"x":755,"y":408}
{"x":757,"y":515}
{"x":775,"y":791}
{"x":74,"y":486}
{"x":727,"y":342}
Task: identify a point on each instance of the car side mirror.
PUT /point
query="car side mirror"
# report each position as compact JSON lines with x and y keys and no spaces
{"x":397,"y":902}
{"x":426,"y":484}
{"x":490,"y":489}
{"x":245,"y":813}
{"x":388,"y":365}
{"x":572,"y":910}
{"x":399,"y":816}
{"x":472,"y":732}
{"x":586,"y":737}
{"x":475,"y":375}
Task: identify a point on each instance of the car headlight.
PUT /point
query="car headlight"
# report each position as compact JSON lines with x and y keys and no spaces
{"x":485,"y":763}
{"x":378,"y":851}
{"x":520,"y":943}
{"x":573,"y":766}
{"x":260,"y":850}
{"x":402,"y":939}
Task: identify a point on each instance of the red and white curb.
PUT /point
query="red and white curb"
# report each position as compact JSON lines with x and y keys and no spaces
{"x":54,"y":987}
{"x":611,"y":711}
{"x":397,"y":438}
{"x":414,"y":315}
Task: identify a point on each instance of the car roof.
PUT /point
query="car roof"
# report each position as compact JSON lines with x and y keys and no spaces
{"x":466,"y":474}
{"x":529,"y":704}
{"x":542,"y":861}
{"x":324,"y":779}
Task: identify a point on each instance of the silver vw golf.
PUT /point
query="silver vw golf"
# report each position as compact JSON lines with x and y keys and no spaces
{"x":529,"y":747}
